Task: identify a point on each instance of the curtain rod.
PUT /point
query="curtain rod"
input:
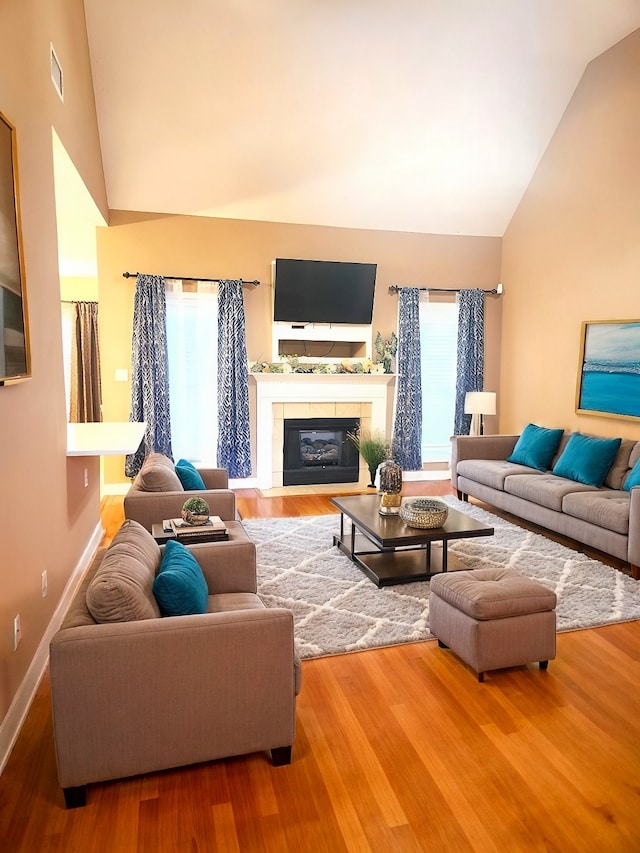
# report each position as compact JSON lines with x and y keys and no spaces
{"x":497,"y":290}
{"x":187,"y":278}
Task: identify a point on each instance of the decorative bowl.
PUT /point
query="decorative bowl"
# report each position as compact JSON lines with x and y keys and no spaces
{"x":424,"y":512}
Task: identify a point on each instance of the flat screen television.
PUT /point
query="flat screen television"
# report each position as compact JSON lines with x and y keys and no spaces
{"x":13,"y":348}
{"x":323,"y":292}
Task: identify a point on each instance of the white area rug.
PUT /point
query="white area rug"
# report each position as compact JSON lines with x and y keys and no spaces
{"x":338,"y":609}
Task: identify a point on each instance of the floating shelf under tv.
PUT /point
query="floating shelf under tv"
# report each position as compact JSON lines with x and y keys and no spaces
{"x":324,"y":341}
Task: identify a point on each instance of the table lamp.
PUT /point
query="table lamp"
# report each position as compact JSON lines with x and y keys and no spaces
{"x":477,"y":404}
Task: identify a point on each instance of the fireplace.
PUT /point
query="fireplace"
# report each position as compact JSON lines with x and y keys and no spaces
{"x":316,"y":450}
{"x":365,"y":397}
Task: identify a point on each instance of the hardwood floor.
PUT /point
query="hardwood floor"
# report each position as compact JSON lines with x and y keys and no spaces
{"x":397,"y":749}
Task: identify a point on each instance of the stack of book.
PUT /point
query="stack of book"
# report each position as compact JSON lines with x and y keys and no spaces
{"x":215,"y":529}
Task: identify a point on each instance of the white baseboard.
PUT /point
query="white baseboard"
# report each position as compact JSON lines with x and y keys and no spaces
{"x":19,"y":708}
{"x":425,"y":475}
{"x":247,"y":483}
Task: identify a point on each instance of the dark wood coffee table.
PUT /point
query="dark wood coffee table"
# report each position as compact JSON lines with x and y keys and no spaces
{"x":391,"y":552}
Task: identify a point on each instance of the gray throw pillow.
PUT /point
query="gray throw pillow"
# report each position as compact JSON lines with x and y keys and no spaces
{"x":122,"y":588}
{"x":158,"y":474}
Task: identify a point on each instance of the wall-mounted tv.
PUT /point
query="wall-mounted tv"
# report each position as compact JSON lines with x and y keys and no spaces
{"x":323,"y":292}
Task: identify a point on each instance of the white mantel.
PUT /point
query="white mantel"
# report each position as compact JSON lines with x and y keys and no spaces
{"x":300,"y":391}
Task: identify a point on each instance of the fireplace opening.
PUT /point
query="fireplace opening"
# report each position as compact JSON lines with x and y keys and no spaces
{"x":317,"y":450}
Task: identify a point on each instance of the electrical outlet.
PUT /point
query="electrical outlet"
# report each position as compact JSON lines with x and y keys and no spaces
{"x":17,"y":632}
{"x":44,"y":584}
{"x":86,"y":477}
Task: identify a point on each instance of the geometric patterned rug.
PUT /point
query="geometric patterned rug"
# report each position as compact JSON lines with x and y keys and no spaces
{"x":337,"y":609}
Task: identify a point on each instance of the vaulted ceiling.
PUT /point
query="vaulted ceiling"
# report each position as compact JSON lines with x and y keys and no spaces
{"x":411,"y":115}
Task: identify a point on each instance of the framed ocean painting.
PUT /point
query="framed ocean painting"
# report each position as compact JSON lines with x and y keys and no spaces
{"x":609,"y":372}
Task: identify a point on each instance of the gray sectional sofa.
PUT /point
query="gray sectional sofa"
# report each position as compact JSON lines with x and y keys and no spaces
{"x":605,"y":517}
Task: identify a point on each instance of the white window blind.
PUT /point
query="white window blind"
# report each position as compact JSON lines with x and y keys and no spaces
{"x":438,"y":344}
{"x":192,"y":343}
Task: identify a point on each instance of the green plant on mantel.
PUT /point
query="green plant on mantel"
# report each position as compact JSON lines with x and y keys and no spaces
{"x":374,"y":449}
{"x":385,"y":349}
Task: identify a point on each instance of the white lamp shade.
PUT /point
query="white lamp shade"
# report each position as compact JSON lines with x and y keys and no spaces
{"x":480,"y":403}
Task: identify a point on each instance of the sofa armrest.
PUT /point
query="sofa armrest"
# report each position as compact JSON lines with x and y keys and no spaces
{"x":479,"y":447}
{"x":215,"y":478}
{"x":134,"y":697}
{"x":634,"y":527}
{"x":227,"y":566}
{"x":150,"y":507}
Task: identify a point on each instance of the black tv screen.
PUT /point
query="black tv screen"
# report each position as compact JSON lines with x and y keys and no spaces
{"x":323,"y":292}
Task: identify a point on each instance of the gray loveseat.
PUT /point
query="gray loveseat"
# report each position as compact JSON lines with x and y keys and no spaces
{"x":138,"y":692}
{"x":605,"y":517}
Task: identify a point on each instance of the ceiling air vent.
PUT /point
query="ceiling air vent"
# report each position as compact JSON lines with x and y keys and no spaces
{"x":56,"y":73}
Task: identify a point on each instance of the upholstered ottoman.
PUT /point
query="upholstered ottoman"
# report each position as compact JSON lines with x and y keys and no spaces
{"x":493,"y":618}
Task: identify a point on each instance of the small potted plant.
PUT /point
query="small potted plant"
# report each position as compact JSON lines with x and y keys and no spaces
{"x":373,"y":448}
{"x":195,"y":512}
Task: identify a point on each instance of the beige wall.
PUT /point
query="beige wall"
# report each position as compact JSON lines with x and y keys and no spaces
{"x":572,"y":251}
{"x":78,"y":289}
{"x":47,"y":517}
{"x":219,"y":248}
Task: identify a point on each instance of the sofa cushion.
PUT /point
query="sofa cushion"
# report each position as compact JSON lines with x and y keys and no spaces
{"x":180,"y":588}
{"x":494,"y":593}
{"x":492,"y":472}
{"x":122,"y":588}
{"x":620,"y":468}
{"x":225,"y":602}
{"x":605,"y":508}
{"x":536,"y":447}
{"x":546,"y":490}
{"x":587,"y":459}
{"x":633,"y":478}
{"x":189,"y":476}
{"x":158,"y":474}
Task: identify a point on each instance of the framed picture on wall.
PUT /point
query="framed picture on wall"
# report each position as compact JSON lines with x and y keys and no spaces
{"x":15,"y":361}
{"x":609,"y":371}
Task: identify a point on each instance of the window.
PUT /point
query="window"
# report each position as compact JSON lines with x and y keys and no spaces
{"x":438,"y":346}
{"x":192,"y":344}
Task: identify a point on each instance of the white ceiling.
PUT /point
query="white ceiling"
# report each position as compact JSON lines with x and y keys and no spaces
{"x":410,"y":115}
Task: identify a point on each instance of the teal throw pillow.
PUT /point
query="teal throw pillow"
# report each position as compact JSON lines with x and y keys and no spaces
{"x":179,"y":587}
{"x":189,"y":476}
{"x":633,"y":478}
{"x":536,"y":447}
{"x":586,"y":459}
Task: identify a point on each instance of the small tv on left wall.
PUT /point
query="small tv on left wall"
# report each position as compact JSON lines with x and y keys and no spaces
{"x":15,"y":356}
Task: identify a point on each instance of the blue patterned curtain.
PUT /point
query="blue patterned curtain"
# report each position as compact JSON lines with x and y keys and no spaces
{"x":407,"y":428}
{"x":150,"y":370}
{"x":234,"y":447}
{"x":470,"y":367}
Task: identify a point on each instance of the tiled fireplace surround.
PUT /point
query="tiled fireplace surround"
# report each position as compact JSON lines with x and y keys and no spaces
{"x":299,"y":395}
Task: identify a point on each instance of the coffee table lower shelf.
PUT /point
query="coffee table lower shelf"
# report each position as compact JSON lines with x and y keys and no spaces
{"x":386,"y":567}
